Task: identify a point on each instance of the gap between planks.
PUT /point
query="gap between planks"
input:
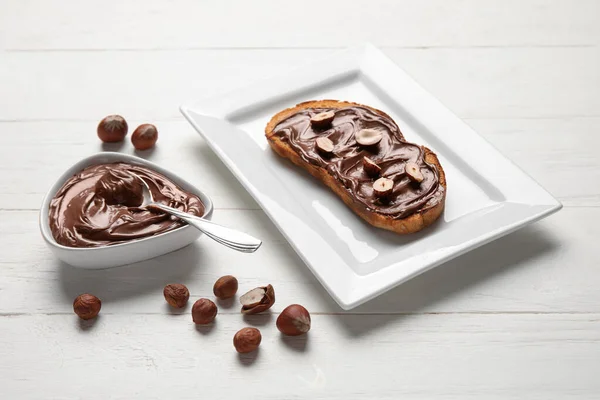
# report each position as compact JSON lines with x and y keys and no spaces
{"x":341,"y":313}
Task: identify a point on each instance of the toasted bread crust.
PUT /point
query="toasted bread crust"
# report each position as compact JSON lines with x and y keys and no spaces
{"x":412,"y":223}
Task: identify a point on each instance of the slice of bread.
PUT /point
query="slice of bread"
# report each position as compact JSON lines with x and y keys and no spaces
{"x":414,"y":222}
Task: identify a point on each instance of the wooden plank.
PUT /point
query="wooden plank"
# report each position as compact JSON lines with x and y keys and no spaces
{"x":550,"y":266}
{"x":507,"y":83}
{"x":154,"y":24}
{"x":35,"y":154}
{"x":558,"y":153}
{"x":142,"y":85}
{"x":343,"y":357}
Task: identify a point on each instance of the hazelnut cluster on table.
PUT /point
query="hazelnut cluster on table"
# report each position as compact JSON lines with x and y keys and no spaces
{"x":294,"y":320}
{"x":113,"y":128}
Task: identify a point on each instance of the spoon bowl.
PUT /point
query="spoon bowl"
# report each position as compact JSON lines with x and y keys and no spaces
{"x":231,"y":238}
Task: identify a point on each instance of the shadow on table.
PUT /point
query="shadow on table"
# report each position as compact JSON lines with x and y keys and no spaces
{"x":87,"y":325}
{"x":263,"y":319}
{"x":423,"y":292}
{"x":247,"y":359}
{"x":298,"y":344}
{"x":449,"y":279}
{"x":148,"y":154}
{"x":131,"y":280}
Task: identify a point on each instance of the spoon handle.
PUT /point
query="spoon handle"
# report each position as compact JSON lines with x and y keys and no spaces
{"x":226,"y":236}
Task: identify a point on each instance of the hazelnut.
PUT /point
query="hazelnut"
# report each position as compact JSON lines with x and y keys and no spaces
{"x":225,"y":287}
{"x":144,"y":136}
{"x":383,"y":187}
{"x":371,"y":168}
{"x":112,"y":128}
{"x":87,"y":306}
{"x":368,"y":137}
{"x":204,"y":311}
{"x":322,"y":119}
{"x":413,"y":171}
{"x":294,"y":320}
{"x":247,"y":340}
{"x":176,"y":294}
{"x":258,"y":300}
{"x":324,"y":145}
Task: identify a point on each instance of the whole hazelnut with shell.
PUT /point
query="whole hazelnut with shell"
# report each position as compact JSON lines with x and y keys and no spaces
{"x":87,"y":306}
{"x":176,"y":294}
{"x":294,"y":320}
{"x":204,"y":311}
{"x":247,"y":340}
{"x":112,"y":128}
{"x":225,"y":287}
{"x":144,"y":137}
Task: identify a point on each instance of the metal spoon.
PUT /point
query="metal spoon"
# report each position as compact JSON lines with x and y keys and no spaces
{"x":236,"y":240}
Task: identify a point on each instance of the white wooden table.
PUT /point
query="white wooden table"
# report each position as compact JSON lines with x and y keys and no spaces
{"x":516,"y":319}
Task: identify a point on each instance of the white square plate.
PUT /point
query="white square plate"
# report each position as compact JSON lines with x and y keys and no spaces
{"x":488,"y":196}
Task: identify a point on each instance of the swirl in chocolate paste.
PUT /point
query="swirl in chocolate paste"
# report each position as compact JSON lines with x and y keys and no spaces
{"x":345,"y":164}
{"x":119,"y":187}
{"x":100,"y":206}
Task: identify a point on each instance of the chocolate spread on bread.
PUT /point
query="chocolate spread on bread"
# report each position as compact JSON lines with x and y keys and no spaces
{"x":346,"y":162}
{"x":100,"y":206}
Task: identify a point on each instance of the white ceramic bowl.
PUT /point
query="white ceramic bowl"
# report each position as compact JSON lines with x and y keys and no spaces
{"x":123,"y":253}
